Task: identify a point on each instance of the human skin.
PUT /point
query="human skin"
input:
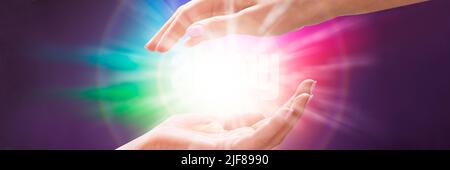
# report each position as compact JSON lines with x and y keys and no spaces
{"x":209,"y":19}
{"x":245,"y":131}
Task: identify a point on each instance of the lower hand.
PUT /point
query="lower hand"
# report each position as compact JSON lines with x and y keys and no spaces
{"x":246,"y":131}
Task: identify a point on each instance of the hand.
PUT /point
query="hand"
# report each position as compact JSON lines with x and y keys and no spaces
{"x":209,"y":19}
{"x":247,"y":131}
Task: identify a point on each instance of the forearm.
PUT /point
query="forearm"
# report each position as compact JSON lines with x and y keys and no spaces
{"x":354,"y":7}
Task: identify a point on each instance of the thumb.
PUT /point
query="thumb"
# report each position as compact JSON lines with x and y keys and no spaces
{"x":213,"y":28}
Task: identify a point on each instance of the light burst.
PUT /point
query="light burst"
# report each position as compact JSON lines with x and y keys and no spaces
{"x":230,"y":75}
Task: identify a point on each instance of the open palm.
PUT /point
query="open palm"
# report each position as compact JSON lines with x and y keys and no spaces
{"x":245,"y":131}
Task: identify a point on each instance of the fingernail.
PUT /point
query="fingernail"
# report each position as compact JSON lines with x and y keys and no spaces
{"x":195,"y":31}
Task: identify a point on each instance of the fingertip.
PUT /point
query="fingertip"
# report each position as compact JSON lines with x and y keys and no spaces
{"x":306,"y":86}
{"x":149,"y":47}
{"x":151,"y":44}
{"x":308,"y":83}
{"x":166,"y":44}
{"x":300,"y":103}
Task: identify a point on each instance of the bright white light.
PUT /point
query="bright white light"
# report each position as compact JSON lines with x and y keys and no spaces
{"x":215,"y":80}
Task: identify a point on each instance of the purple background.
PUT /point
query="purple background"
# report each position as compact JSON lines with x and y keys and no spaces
{"x":405,"y":95}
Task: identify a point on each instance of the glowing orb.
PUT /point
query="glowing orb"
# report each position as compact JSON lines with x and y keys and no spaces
{"x":223,"y":80}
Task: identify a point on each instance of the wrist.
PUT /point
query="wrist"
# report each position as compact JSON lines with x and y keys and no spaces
{"x":354,"y":7}
{"x":337,"y":8}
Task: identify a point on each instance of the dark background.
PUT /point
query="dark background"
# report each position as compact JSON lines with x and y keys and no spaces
{"x":405,"y":95}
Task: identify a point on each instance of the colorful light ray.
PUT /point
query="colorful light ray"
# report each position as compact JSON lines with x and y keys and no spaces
{"x":230,"y":75}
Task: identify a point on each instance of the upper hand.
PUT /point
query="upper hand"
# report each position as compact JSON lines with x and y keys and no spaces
{"x":208,"y":19}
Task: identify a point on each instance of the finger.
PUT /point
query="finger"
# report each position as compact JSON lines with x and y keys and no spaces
{"x":280,"y":124}
{"x":305,"y":86}
{"x":271,"y":131}
{"x":260,"y":138}
{"x":216,"y":27}
{"x":196,"y":11}
{"x":298,"y":109}
{"x":246,"y":21}
{"x":255,"y":120}
{"x":151,"y":45}
{"x":194,"y":41}
{"x":187,"y":14}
